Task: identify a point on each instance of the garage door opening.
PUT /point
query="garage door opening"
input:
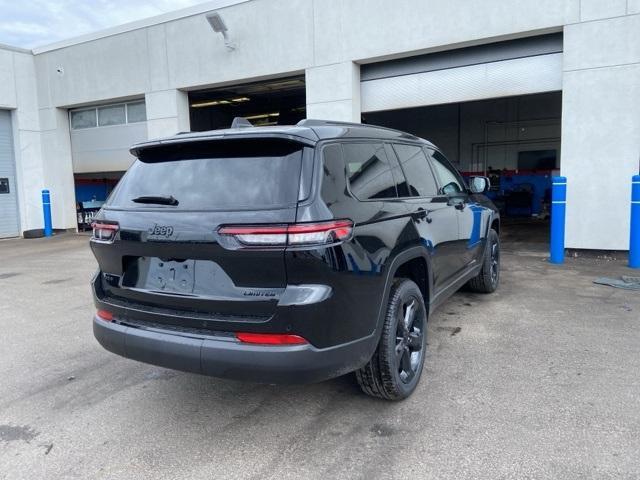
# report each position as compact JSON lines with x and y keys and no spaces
{"x":273,"y":102}
{"x":92,"y":190}
{"x":101,"y":136}
{"x":515,"y":141}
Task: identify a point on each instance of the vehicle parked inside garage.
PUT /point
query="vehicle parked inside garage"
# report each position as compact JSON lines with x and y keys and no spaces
{"x":289,"y":254}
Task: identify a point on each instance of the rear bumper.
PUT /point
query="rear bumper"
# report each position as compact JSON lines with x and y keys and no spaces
{"x":226,"y":357}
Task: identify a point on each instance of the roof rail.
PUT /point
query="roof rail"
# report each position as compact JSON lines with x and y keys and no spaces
{"x":310,"y":122}
{"x":241,"y":122}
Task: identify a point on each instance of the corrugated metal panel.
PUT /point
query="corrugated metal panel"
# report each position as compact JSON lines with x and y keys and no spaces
{"x":522,"y":76}
{"x":105,"y":149}
{"x":9,"y":223}
{"x":463,"y":57}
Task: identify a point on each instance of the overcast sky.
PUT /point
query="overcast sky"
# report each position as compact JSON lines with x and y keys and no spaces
{"x":33,"y":23}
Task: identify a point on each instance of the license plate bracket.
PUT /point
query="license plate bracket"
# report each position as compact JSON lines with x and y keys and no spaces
{"x":156,"y":274}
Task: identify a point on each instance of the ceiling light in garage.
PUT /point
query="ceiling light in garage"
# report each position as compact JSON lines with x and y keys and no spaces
{"x":263,"y":115}
{"x":205,"y":104}
{"x":213,"y":103}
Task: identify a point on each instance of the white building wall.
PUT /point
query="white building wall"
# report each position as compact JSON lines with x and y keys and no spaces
{"x":600,"y":126}
{"x":57,"y":167}
{"x":278,"y":37}
{"x":333,"y":92}
{"x":361,"y":30}
{"x":326,"y":39}
{"x":18,"y":94}
{"x":167,"y":113}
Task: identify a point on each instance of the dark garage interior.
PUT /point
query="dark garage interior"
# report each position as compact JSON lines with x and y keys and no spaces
{"x":92,"y":189}
{"x":274,"y":102}
{"x":515,"y":141}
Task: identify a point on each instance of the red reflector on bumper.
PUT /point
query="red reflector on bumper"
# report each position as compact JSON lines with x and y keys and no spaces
{"x":270,"y":339}
{"x":104,"y":315}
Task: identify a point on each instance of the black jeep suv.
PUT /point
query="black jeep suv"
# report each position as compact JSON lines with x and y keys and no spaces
{"x":289,"y":254}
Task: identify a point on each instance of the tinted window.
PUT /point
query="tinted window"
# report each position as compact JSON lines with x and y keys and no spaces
{"x":333,"y":182}
{"x":419,"y":178}
{"x":449,"y":177}
{"x":222,"y":175}
{"x":368,"y":171}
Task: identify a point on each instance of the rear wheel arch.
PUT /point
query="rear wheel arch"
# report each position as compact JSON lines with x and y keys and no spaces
{"x":416,"y":269}
{"x":414,"y":254}
{"x":495,"y":225}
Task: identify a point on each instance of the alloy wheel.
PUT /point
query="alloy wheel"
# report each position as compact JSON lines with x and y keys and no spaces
{"x":495,"y":262}
{"x":409,"y":339}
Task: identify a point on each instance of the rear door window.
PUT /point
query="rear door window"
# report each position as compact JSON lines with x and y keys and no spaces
{"x":215,"y":175}
{"x":368,"y":171}
{"x":420,"y":181}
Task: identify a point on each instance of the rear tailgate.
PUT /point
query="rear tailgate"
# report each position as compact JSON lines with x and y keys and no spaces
{"x":167,"y":259}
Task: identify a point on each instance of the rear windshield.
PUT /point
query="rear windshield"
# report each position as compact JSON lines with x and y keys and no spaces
{"x":214,"y":175}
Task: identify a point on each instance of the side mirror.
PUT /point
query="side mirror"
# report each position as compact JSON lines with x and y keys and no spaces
{"x":479,"y":184}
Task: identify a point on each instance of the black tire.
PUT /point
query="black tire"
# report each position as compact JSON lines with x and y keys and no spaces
{"x":35,"y":233}
{"x":395,"y":368}
{"x":488,"y":279}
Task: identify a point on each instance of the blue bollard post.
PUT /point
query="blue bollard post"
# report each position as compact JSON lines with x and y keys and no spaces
{"x":634,"y":241}
{"x":558,"y":208}
{"x":46,"y":211}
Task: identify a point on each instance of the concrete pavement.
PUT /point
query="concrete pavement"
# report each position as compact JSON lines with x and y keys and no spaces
{"x":539,"y":380}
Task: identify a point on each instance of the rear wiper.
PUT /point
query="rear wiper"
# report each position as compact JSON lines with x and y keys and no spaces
{"x":156,"y":199}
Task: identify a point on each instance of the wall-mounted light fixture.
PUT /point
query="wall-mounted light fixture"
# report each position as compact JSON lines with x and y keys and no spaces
{"x":218,"y":26}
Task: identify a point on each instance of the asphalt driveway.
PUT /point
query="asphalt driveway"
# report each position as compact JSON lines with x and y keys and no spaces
{"x":540,"y":380}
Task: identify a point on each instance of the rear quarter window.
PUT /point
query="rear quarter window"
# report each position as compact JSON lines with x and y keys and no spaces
{"x":368,"y":171}
{"x":215,"y":175}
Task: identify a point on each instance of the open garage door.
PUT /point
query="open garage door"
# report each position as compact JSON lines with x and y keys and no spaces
{"x":515,"y":141}
{"x":101,"y":136}
{"x":493,"y":109}
{"x":92,"y":190}
{"x":504,"y":69}
{"x":279,"y":101}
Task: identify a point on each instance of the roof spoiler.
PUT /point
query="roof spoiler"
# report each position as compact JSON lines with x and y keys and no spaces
{"x":241,"y":122}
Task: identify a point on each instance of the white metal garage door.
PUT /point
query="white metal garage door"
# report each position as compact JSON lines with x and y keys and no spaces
{"x":9,"y":226}
{"x":503,"y":69}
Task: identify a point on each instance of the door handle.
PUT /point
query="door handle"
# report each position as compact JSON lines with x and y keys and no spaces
{"x":457,"y":201}
{"x":421,"y":214}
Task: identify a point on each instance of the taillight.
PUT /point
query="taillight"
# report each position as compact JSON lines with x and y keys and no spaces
{"x":271,"y":339}
{"x":104,"y":232}
{"x":105,"y":315}
{"x":299,"y":235}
